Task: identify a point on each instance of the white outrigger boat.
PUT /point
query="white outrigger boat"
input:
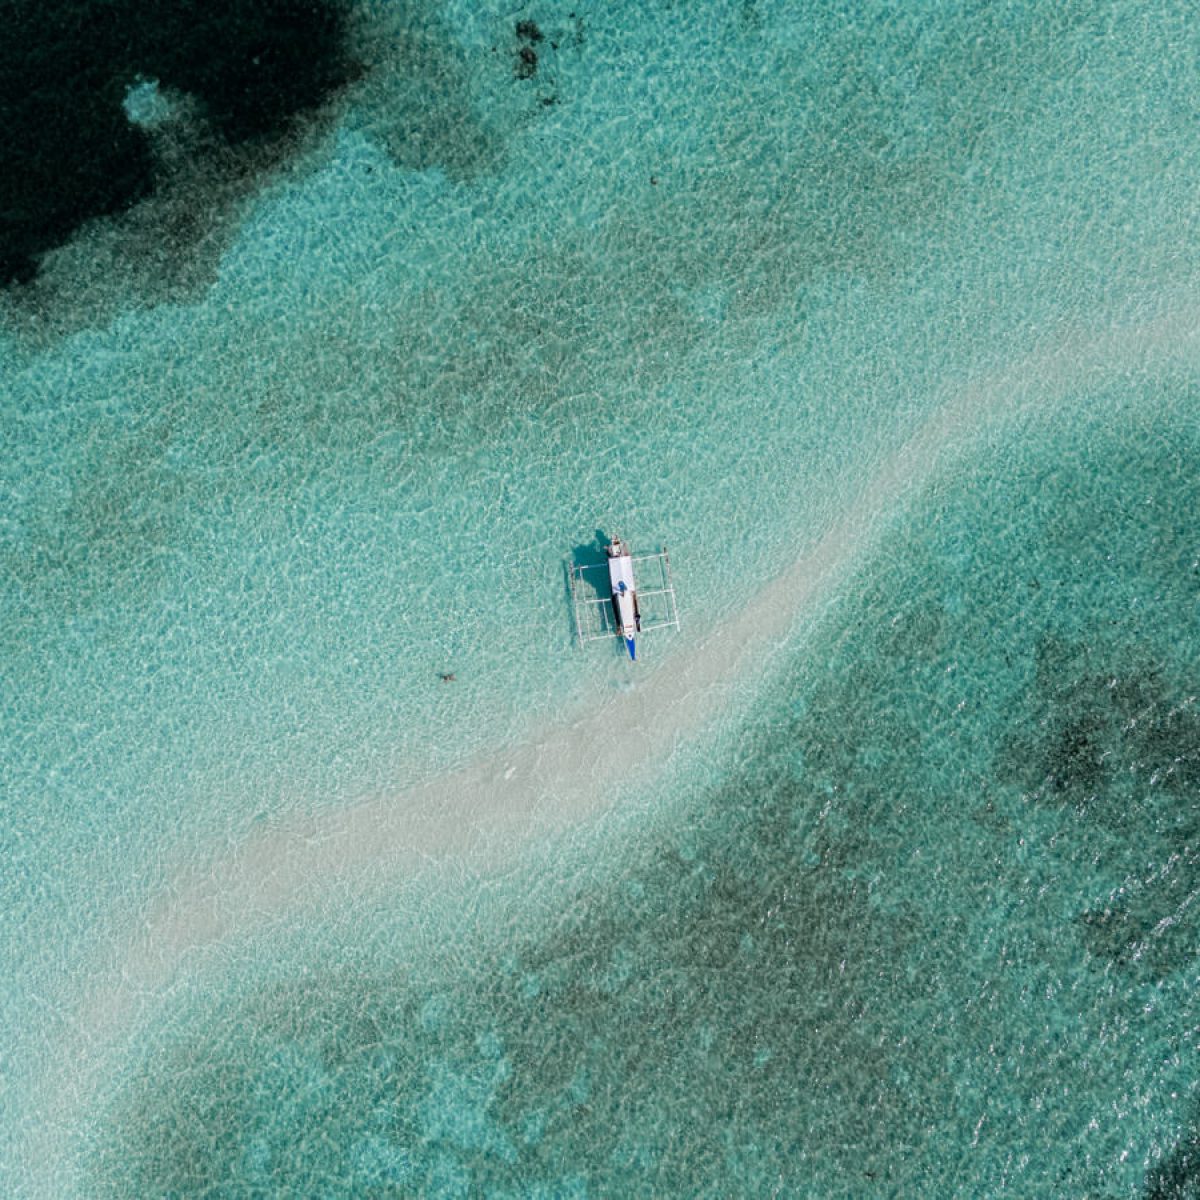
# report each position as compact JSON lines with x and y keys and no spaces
{"x":620,"y":613}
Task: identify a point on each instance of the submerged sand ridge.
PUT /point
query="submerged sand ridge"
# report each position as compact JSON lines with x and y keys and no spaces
{"x":480,"y":816}
{"x":555,"y":778}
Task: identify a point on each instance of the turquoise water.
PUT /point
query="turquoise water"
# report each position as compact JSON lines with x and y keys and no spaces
{"x":897,"y":307}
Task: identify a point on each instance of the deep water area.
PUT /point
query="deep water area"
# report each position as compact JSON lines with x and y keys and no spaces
{"x":79,"y":146}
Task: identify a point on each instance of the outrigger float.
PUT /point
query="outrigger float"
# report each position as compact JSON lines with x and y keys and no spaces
{"x":620,"y":613}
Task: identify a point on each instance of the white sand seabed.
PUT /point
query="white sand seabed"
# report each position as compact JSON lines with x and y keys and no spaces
{"x":482,"y":812}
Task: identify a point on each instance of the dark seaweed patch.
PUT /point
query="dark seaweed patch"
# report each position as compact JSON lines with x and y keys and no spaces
{"x":1096,"y":721}
{"x":534,"y":44}
{"x":1119,"y":749}
{"x":1178,"y":1177}
{"x":527,"y":60}
{"x":1150,"y":925}
{"x":527,"y":63}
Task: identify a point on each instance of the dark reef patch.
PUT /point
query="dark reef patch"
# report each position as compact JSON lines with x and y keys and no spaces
{"x":1113,"y":741}
{"x":71,"y":152}
{"x":528,"y":35}
{"x":1097,"y":718}
{"x":1178,"y":1176}
{"x":527,"y":63}
{"x":533,"y":45}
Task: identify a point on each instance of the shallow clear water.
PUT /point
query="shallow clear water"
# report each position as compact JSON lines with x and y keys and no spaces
{"x":899,"y":901}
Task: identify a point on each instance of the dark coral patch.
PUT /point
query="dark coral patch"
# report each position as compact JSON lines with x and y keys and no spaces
{"x":1178,"y":1176}
{"x":1098,"y":720}
{"x":1115,"y":743}
{"x":527,"y":63}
